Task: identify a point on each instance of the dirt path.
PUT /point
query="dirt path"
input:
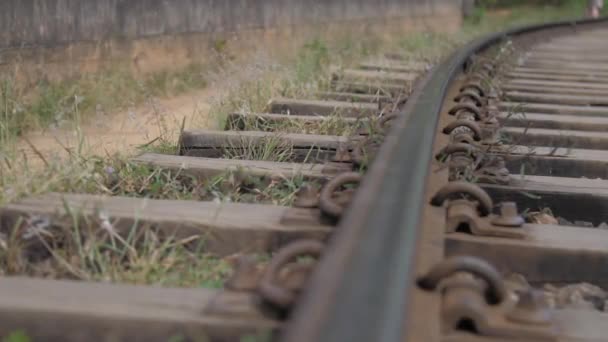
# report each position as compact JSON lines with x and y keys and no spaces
{"x":124,"y":131}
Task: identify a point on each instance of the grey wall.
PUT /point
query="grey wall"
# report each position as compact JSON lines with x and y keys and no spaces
{"x":27,"y":23}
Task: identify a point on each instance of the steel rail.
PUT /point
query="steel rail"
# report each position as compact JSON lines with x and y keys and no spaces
{"x":359,"y":291}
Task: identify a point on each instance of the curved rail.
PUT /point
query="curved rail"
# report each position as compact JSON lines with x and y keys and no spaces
{"x":376,"y":244}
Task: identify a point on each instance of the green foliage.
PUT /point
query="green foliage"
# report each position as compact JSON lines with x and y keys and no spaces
{"x":11,"y":111}
{"x":262,"y":336}
{"x":57,"y":103}
{"x":17,"y":336}
{"x":477,"y":15}
{"x":313,"y":57}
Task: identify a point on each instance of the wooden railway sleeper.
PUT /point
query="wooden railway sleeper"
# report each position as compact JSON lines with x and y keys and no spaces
{"x":333,"y":198}
{"x":474,"y":215}
{"x":379,"y":125}
{"x":476,"y":299}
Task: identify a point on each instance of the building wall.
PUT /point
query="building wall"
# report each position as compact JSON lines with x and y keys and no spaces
{"x":67,"y":36}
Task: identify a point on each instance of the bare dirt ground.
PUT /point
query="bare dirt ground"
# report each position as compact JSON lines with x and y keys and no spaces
{"x":124,"y":131}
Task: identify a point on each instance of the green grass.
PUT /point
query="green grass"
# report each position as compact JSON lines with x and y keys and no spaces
{"x":272,"y":148}
{"x":64,"y":104}
{"x":334,"y":124}
{"x":16,"y":336}
{"x":298,"y":76}
{"x":76,"y":247}
{"x":117,"y":176}
{"x":434,"y":46}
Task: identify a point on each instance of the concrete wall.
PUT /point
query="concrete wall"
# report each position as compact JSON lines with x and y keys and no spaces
{"x":83,"y":33}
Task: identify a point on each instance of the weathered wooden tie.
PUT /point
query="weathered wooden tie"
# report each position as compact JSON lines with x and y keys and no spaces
{"x":558,"y":162}
{"x":556,"y":138}
{"x":320,"y":107}
{"x":588,"y":78}
{"x":572,"y":56}
{"x":392,"y":65}
{"x":557,"y":84}
{"x":71,"y":311}
{"x":383,"y":88}
{"x":565,"y":99}
{"x":547,"y":108}
{"x":549,"y":89}
{"x":567,"y":247}
{"x":556,"y":122}
{"x":557,"y":71}
{"x":353,"y":97}
{"x":581,"y":66}
{"x":574,"y":199}
{"x":267,"y":122}
{"x":212,"y":167}
{"x":225,"y":228}
{"x":245,"y":144}
{"x":358,"y":75}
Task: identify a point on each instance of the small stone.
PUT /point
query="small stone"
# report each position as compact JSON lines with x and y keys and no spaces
{"x":550,"y":288}
{"x":603,"y":225}
{"x":542,"y":218}
{"x":563,"y":222}
{"x":585,"y":224}
{"x":307,"y":197}
{"x":582,"y":295}
{"x":517,"y":282}
{"x":550,"y":300}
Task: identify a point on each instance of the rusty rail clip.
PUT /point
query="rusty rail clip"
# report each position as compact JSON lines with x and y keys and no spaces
{"x":475,"y":215}
{"x":365,"y":150}
{"x":465,"y":159}
{"x":471,"y":95}
{"x":333,"y":203}
{"x":474,"y":86}
{"x":468,"y":108}
{"x":284,"y":277}
{"x":473,"y":292}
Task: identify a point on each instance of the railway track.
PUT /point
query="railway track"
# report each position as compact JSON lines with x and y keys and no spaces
{"x":310,"y":150}
{"x":470,"y":209}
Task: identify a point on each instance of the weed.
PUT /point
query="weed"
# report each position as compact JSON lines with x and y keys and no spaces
{"x":272,"y":148}
{"x":261,"y":336}
{"x":17,"y":336}
{"x":311,"y":61}
{"x":11,"y":112}
{"x":53,"y":104}
{"x":75,"y":246}
{"x":333,"y":124}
